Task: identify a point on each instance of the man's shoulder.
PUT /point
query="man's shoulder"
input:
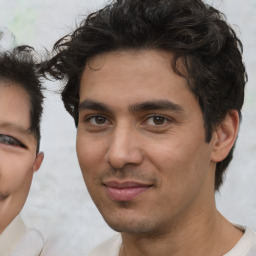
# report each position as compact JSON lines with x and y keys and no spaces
{"x":110,"y":247}
{"x":251,"y":241}
{"x":246,"y":246}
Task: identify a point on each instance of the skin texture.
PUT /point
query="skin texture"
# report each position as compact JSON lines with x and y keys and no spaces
{"x":18,"y":159}
{"x":142,"y":151}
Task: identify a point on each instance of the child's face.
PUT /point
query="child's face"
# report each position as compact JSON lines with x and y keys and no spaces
{"x":18,"y":158}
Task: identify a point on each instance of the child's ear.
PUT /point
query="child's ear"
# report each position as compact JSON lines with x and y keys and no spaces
{"x":38,"y":161}
{"x":225,"y":136}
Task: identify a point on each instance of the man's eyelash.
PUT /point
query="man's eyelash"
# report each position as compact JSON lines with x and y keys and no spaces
{"x":95,"y":116}
{"x":159,"y":116}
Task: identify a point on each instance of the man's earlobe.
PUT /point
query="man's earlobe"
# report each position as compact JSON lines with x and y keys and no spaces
{"x":225,"y":136}
{"x":38,"y":161}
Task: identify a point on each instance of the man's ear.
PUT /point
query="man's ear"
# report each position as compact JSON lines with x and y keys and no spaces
{"x":225,"y":136}
{"x":38,"y":161}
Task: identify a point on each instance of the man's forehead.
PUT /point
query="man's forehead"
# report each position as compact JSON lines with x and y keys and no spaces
{"x":109,"y":62}
{"x":97,"y":62}
{"x":138,"y":86}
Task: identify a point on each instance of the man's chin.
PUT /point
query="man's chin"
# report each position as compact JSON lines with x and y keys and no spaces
{"x":129,"y":226}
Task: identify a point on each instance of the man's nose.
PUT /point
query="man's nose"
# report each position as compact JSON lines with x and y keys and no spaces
{"x":124,"y":148}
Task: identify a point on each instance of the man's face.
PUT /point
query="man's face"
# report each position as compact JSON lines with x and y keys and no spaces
{"x":141,"y":142}
{"x":18,"y":159}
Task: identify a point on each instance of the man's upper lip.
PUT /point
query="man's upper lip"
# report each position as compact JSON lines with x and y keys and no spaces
{"x":125,"y":184}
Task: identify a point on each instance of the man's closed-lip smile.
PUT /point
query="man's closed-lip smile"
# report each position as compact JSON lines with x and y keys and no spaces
{"x":125,"y":190}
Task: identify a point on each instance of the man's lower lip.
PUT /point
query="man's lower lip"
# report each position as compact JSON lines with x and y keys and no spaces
{"x":125,"y":194}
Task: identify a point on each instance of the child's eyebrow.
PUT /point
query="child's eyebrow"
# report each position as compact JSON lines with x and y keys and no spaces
{"x":14,"y":127}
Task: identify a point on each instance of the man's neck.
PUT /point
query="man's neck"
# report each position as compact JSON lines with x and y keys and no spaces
{"x":212,"y":236}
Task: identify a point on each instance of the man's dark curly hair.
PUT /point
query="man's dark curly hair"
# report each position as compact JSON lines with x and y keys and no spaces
{"x":194,"y":32}
{"x":19,"y":66}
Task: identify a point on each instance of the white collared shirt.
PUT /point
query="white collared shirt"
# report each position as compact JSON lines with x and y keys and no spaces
{"x":246,"y":246}
{"x":11,"y":236}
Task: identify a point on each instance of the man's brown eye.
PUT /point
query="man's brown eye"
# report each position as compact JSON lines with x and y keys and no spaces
{"x":158,"y":120}
{"x":97,"y":120}
{"x":100,"y":119}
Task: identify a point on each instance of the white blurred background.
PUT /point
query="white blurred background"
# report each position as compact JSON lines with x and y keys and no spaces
{"x":58,"y":202}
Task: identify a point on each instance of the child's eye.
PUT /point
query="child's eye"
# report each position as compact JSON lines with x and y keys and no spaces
{"x":9,"y":140}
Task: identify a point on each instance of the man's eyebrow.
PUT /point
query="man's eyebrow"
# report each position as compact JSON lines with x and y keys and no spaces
{"x":93,"y":105}
{"x":14,"y":127}
{"x":138,"y":107}
{"x":156,"y":105}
